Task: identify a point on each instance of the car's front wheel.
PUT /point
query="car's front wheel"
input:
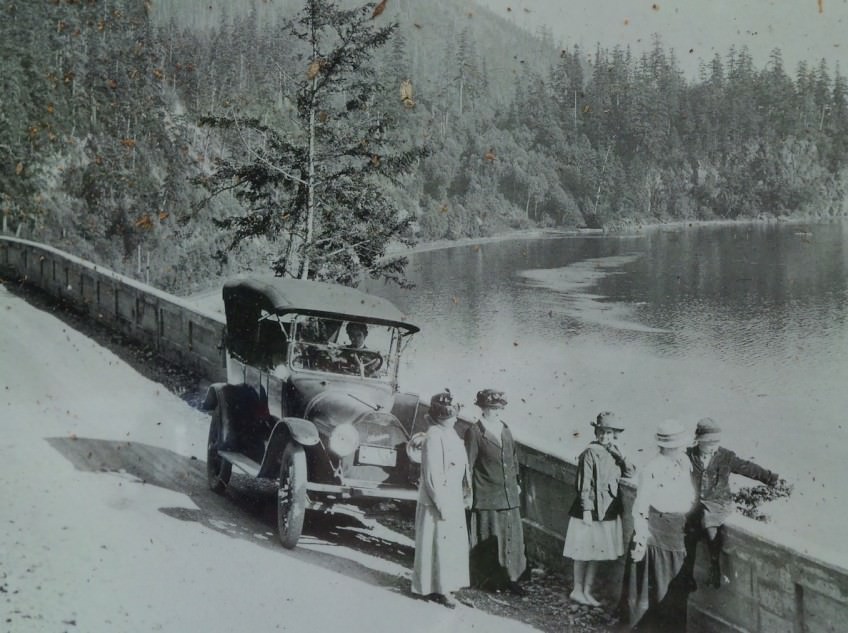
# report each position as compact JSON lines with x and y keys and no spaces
{"x":218,"y":469}
{"x":291,"y":495}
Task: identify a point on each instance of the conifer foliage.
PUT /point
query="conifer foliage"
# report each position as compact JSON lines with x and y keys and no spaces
{"x":313,"y":182}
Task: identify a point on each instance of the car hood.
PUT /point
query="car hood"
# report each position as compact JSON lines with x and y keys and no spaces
{"x":346,"y":403}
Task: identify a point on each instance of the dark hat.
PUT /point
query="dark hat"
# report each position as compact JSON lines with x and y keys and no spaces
{"x":707,"y":431}
{"x":490,"y":399}
{"x":442,"y":406}
{"x":607,"y":420}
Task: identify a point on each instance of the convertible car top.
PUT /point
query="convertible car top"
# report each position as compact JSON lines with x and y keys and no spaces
{"x":282,"y":295}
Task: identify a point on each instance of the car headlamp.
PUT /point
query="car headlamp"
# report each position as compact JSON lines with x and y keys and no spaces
{"x":415,"y":446}
{"x":344,"y":440}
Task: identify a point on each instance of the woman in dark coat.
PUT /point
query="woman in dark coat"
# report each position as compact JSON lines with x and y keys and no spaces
{"x":497,"y":537}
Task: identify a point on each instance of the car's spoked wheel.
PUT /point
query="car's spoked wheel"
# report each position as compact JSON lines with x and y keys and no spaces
{"x":291,"y":495}
{"x":218,"y":469}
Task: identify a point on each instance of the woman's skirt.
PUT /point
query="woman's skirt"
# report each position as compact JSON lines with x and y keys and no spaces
{"x":497,"y":547}
{"x":594,"y":540}
{"x":441,"y":552}
{"x":656,"y":589}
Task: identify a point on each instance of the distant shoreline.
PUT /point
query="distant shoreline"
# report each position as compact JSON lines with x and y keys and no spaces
{"x":624,"y":230}
{"x":396,"y":250}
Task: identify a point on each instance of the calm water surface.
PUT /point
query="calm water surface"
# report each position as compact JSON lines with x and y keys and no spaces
{"x":746,"y":324}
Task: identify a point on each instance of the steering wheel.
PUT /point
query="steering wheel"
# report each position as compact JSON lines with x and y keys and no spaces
{"x":360,"y":362}
{"x":372,"y":365}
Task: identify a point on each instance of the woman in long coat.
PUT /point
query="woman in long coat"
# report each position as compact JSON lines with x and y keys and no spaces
{"x":497,"y":537}
{"x":441,"y":534}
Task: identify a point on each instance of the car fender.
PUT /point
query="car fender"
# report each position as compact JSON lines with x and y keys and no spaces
{"x":301,"y":431}
{"x":239,"y":407}
{"x":289,"y":429}
{"x":214,"y":396}
{"x":233,"y":399}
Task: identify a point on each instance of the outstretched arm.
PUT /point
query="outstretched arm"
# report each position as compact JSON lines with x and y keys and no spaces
{"x":751,"y":470}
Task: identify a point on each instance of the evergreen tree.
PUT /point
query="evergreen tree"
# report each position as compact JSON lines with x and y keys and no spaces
{"x":316,"y":185}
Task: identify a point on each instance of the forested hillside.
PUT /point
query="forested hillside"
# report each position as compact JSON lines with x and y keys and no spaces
{"x":102,"y":151}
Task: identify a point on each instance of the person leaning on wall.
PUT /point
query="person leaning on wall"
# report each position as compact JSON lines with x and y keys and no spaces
{"x":712,"y":466}
{"x":497,"y":537}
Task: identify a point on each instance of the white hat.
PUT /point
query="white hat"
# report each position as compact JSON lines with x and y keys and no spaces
{"x":671,"y":434}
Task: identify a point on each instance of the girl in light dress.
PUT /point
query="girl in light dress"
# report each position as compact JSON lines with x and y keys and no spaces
{"x":594,"y":530}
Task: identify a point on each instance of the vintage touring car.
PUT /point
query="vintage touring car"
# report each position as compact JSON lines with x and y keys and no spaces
{"x":311,"y":398}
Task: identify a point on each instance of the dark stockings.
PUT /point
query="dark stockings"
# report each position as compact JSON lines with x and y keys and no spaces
{"x":715,"y":540}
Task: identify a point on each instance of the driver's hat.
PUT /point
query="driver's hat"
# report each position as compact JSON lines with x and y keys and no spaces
{"x":442,"y":406}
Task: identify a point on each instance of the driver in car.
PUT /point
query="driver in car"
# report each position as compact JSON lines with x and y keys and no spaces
{"x":357,"y":358}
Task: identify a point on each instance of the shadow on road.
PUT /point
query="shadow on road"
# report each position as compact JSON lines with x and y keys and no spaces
{"x":247,"y":509}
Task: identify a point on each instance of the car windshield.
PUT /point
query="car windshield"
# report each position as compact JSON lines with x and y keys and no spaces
{"x":351,"y":348}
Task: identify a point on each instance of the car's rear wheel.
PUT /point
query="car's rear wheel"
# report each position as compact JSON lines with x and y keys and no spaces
{"x":291,"y":495}
{"x":218,"y":469}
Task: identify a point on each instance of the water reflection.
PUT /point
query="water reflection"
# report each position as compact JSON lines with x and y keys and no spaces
{"x":746,"y":324}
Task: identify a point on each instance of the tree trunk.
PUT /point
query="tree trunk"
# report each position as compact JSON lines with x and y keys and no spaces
{"x":575,"y":110}
{"x":310,"y":185}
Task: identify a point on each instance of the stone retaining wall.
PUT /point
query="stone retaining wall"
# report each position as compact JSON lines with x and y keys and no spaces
{"x":177,"y":330}
{"x":775,"y":588}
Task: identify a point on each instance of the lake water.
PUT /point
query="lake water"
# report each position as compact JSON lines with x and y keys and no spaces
{"x":747,"y":324}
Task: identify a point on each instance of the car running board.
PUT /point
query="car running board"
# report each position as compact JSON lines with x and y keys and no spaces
{"x":242,"y":462}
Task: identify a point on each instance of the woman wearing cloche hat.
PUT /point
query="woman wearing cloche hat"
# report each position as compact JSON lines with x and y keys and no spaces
{"x":594,"y":528}
{"x":655,"y":587}
{"x":497,"y":538}
{"x":441,"y":535}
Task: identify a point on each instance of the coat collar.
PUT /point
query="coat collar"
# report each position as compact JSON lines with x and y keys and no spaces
{"x":484,"y":431}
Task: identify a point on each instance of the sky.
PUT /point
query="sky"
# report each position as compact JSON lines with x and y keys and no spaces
{"x":106,"y":524}
{"x":803,"y":29}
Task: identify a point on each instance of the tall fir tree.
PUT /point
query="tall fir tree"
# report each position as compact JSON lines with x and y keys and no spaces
{"x":315,"y":185}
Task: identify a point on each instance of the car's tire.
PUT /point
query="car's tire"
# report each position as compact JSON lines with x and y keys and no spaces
{"x":218,"y":469}
{"x":291,"y":495}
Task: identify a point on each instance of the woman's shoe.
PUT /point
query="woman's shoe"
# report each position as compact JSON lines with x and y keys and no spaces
{"x":515,"y":588}
{"x":590,"y":600}
{"x":444,"y":600}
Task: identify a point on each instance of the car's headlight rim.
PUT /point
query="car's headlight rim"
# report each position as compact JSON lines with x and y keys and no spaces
{"x":344,"y":440}
{"x":414,"y":447}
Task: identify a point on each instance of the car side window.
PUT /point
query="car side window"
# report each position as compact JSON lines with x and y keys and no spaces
{"x":314,"y":338}
{"x":271,"y":342}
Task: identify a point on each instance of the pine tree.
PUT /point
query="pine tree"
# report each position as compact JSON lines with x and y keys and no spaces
{"x":316,"y":185}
